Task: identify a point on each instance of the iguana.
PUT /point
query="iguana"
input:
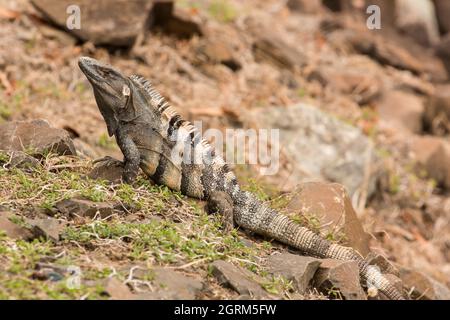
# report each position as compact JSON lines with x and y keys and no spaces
{"x":148,"y":131}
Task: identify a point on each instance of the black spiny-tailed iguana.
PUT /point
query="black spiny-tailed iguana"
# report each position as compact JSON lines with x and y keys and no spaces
{"x":149,"y":131}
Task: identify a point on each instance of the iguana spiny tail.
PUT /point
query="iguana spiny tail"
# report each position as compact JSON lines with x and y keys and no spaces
{"x":170,"y":150}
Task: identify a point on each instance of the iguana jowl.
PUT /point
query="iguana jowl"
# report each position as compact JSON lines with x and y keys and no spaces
{"x":148,"y":130}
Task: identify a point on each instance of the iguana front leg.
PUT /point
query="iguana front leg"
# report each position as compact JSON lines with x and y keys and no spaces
{"x":132,"y":157}
{"x":221,"y":203}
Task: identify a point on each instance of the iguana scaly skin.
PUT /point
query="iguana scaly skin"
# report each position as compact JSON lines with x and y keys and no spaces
{"x":148,"y":132}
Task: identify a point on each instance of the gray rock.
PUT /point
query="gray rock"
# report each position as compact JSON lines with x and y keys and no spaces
{"x":318,"y":146}
{"x":170,"y":284}
{"x":342,"y":276}
{"x":103,"y":22}
{"x":36,"y":137}
{"x":77,"y":207}
{"x":298,"y":269}
{"x":48,"y":228}
{"x":437,"y":111}
{"x":238,"y":279}
{"x":19,"y":159}
{"x":108,"y":170}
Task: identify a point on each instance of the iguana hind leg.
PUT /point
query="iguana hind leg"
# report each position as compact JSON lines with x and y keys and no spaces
{"x":220,"y":202}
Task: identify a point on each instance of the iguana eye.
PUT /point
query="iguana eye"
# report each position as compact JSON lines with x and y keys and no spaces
{"x":126,"y":90}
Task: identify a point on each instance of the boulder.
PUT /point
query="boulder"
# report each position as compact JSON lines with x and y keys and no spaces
{"x":240,"y":280}
{"x":423,"y":287}
{"x":401,"y":110}
{"x":317,"y":145}
{"x":36,"y":138}
{"x":331,"y":206}
{"x":298,"y":269}
{"x":417,"y":18}
{"x":102,"y":22}
{"x":437,"y":111}
{"x":339,"y":279}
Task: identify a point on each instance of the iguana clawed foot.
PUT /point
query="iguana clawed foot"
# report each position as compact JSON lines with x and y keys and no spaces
{"x":221,"y":203}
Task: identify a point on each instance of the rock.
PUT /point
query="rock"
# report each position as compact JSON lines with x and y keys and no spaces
{"x":35,"y":137}
{"x":443,"y":50}
{"x":432,"y":154}
{"x":238,"y":279}
{"x":401,"y":110}
{"x":330,"y":204}
{"x":386,"y":267}
{"x":443,"y":12}
{"x":423,"y":287}
{"x":19,"y":159}
{"x":217,"y":50}
{"x":175,"y":20}
{"x":348,"y":80}
{"x":342,"y":276}
{"x":13,"y":230}
{"x":102,"y":22}
{"x":386,"y":53}
{"x":305,"y":6}
{"x":172,"y":285}
{"x":417,"y":18}
{"x":317,"y":145}
{"x":108,"y":170}
{"x":271,"y":48}
{"x":298,"y":269}
{"x":77,"y":207}
{"x":437,"y":111}
{"x":117,"y":290}
{"x":48,"y":228}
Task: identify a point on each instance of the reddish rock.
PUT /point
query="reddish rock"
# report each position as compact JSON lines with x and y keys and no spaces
{"x":443,"y":14}
{"x":443,"y":51}
{"x":48,"y":228}
{"x":437,"y":111}
{"x":342,"y":276}
{"x":423,"y":287}
{"x":432,"y":154}
{"x":272,"y":48}
{"x":117,"y":290}
{"x":401,"y":110}
{"x":238,"y":279}
{"x":298,"y":269}
{"x":417,"y":18}
{"x":305,"y":6}
{"x":330,"y":204}
{"x":11,"y":229}
{"x":35,"y":137}
{"x":171,"y":285}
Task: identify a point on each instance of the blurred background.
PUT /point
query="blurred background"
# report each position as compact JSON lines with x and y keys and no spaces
{"x":360,"y":99}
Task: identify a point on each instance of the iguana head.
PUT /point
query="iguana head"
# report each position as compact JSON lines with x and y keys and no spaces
{"x":112,"y":90}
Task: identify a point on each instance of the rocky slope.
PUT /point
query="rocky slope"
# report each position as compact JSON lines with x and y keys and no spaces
{"x":365,"y":109}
